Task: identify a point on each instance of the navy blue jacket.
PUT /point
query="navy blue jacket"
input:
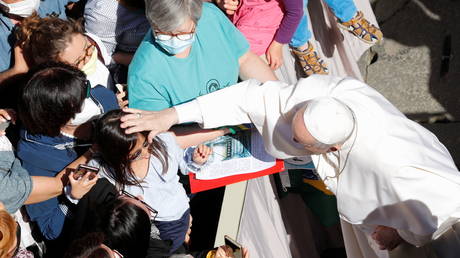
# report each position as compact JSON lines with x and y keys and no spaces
{"x":46,"y":156}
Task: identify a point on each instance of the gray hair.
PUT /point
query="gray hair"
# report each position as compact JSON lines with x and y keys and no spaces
{"x":168,"y":15}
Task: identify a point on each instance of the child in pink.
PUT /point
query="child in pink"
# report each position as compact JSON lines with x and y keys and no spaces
{"x":267,"y":22}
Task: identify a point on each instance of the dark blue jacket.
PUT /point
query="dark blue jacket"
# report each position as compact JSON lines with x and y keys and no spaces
{"x":46,"y":156}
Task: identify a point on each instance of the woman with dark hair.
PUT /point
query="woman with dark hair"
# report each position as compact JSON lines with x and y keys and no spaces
{"x":90,"y":246}
{"x":127,"y":230}
{"x":127,"y":226}
{"x":150,"y":171}
{"x":55,"y":108}
{"x":126,"y":222}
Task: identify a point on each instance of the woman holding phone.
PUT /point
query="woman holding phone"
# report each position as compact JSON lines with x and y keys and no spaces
{"x":55,"y":107}
{"x":17,"y":187}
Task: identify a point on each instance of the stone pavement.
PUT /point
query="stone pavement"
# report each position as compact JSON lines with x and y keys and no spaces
{"x":417,"y":67}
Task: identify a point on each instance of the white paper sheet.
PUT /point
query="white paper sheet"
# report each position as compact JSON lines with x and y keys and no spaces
{"x":239,"y":154}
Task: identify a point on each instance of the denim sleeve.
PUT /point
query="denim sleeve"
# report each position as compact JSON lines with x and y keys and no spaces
{"x":15,"y":182}
{"x":48,"y":216}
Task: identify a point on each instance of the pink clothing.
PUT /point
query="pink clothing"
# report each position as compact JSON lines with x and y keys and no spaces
{"x":259,"y":21}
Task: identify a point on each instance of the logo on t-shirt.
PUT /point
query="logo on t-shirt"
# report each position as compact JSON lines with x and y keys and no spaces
{"x":212,"y":85}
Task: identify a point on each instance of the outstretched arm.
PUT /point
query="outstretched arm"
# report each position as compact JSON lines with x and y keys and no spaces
{"x":20,"y":65}
{"x":44,"y":188}
{"x":252,"y":67}
{"x":220,"y":108}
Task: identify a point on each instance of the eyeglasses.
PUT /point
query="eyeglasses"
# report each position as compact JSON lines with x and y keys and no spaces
{"x":137,"y":154}
{"x":89,"y":48}
{"x":164,"y":36}
{"x":153,"y":212}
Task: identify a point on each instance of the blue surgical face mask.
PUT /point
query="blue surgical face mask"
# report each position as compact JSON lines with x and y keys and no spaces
{"x":174,"y":45}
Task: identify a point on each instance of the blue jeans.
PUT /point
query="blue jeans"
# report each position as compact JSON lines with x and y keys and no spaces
{"x":344,"y":10}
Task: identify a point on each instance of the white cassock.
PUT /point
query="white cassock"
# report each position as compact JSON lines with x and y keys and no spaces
{"x":391,"y":172}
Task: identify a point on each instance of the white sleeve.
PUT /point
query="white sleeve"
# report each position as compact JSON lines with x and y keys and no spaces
{"x":226,"y":106}
{"x":411,"y":238}
{"x":67,"y":191}
{"x":189,"y":112}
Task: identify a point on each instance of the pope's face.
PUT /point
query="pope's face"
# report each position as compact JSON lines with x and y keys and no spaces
{"x":301,"y":135}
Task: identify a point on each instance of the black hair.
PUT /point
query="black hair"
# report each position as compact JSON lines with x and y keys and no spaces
{"x":51,"y":97}
{"x":127,"y":228}
{"x":115,"y":145}
{"x":88,"y":246}
{"x":137,"y":4}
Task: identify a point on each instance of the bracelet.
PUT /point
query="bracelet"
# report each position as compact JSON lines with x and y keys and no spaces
{"x":230,"y":129}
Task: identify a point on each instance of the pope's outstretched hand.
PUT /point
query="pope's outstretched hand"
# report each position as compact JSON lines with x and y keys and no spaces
{"x":154,"y":121}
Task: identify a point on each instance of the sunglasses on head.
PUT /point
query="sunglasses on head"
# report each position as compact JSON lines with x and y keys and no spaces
{"x":153,"y":212}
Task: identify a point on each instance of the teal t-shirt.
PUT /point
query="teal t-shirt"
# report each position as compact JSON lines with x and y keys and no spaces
{"x":157,"y":80}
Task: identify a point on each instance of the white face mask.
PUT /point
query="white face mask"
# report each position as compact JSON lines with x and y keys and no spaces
{"x":89,"y":110}
{"x":174,"y":45}
{"x":24,"y":8}
{"x":91,"y":66}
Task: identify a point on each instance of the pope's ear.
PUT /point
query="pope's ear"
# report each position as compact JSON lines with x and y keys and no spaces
{"x":335,"y":148}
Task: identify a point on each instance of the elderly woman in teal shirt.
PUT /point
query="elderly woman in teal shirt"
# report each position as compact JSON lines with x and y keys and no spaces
{"x":191,"y":50}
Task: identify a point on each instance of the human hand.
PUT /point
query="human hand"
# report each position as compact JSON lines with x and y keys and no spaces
{"x":226,"y":251}
{"x":154,"y":121}
{"x":1,"y":206}
{"x":245,"y":253}
{"x":229,"y":6}
{"x":201,"y":154}
{"x":387,"y":238}
{"x":82,"y":186}
{"x":275,"y":55}
{"x":7,"y":115}
{"x":122,"y":102}
{"x":20,"y":64}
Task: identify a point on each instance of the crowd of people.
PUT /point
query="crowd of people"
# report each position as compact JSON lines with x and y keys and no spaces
{"x":88,"y":155}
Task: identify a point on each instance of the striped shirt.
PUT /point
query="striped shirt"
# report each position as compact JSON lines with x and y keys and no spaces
{"x":118,"y":27}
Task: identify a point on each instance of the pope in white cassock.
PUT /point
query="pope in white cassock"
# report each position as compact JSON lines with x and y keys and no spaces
{"x":392,"y":178}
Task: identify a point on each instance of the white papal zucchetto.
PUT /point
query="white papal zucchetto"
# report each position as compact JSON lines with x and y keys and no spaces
{"x":328,"y":120}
